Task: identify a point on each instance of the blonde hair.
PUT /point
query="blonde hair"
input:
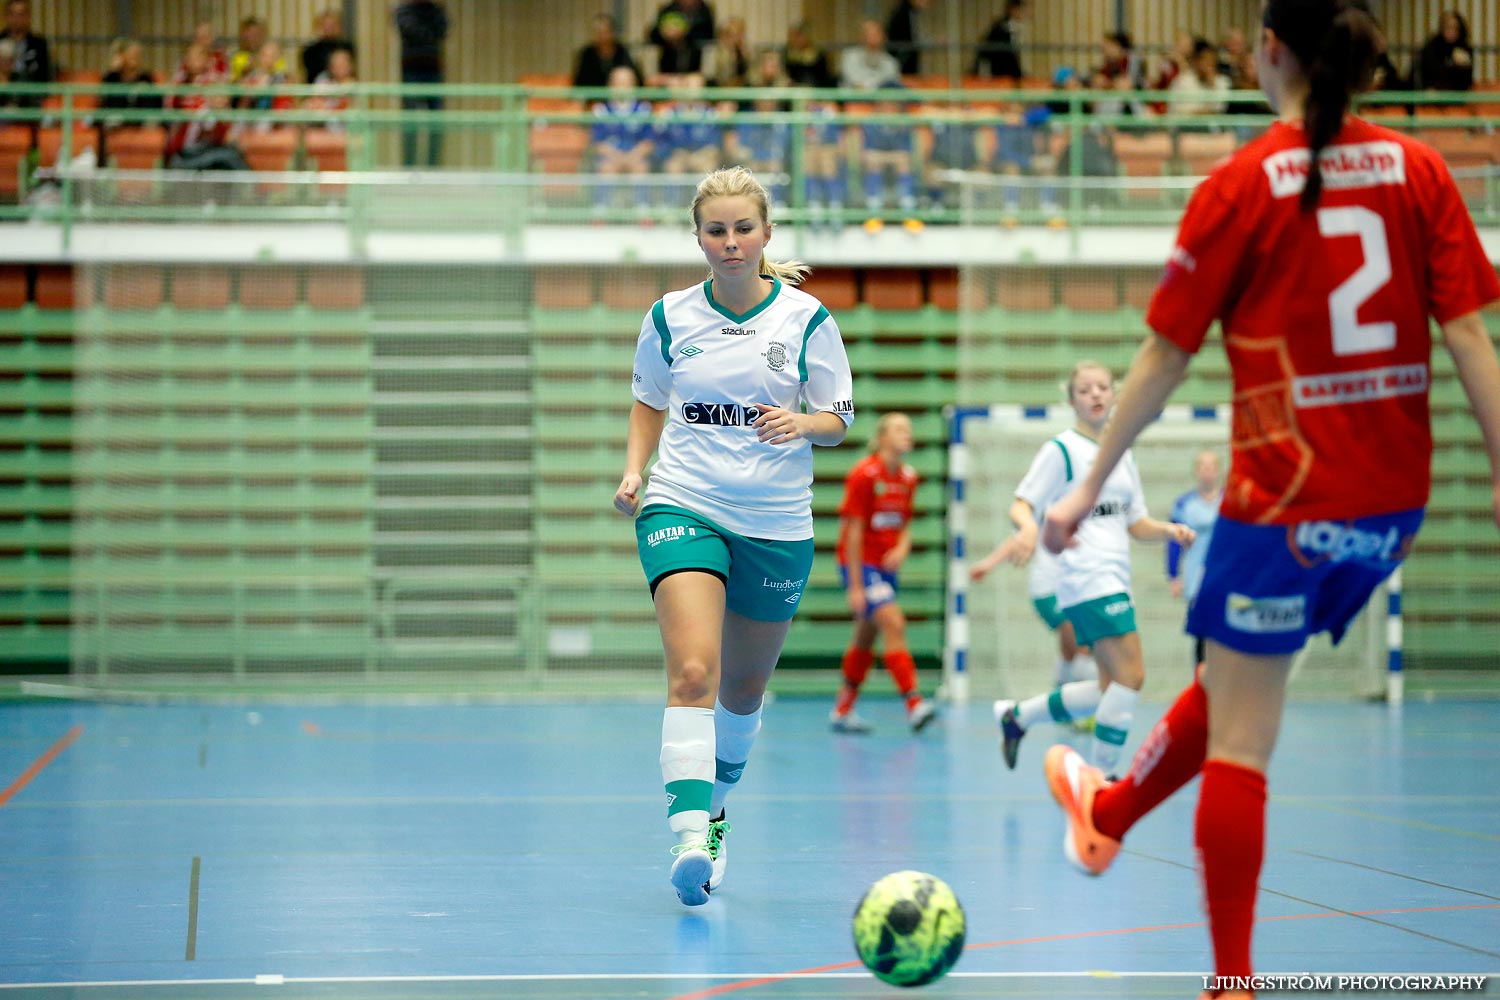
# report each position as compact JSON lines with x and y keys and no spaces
{"x":1083,"y":366}
{"x":881,"y":426}
{"x":737,"y":182}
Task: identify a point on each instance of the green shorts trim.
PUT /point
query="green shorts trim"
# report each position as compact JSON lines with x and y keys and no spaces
{"x":1102,"y":617}
{"x":763,"y":578}
{"x":1047,"y":608}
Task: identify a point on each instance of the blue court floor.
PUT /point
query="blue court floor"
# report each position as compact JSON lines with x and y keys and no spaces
{"x":520,"y":850}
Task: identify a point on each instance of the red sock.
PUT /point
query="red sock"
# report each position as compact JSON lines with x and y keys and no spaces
{"x":1231,"y":836}
{"x":904,"y":672}
{"x":1167,"y":760}
{"x":856,"y":667}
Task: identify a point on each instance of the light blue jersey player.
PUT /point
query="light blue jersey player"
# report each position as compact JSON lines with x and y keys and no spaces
{"x":736,"y":380}
{"x":1198,"y":508}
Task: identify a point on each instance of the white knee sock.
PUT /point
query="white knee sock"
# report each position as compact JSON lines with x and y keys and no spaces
{"x":1064,"y":704}
{"x":687,"y":769}
{"x":735,"y":736}
{"x":1084,"y":668}
{"x":1112,"y":726}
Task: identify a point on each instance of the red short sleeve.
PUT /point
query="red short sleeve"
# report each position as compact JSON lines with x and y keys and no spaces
{"x":859,"y":494}
{"x":1201,"y":269}
{"x":1459,"y":274}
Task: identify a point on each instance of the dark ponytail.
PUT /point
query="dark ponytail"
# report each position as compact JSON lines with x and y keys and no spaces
{"x":1336,"y":43}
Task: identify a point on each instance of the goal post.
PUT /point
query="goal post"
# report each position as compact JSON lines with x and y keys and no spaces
{"x":996,"y":646}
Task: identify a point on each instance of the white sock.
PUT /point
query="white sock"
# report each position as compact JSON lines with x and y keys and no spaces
{"x":735,"y":736}
{"x":1084,"y":668}
{"x":1062,"y":672}
{"x":1112,"y":726}
{"x":687,"y":769}
{"x":1075,"y":700}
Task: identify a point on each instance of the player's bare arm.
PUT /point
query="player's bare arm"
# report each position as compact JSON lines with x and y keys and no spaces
{"x":640,"y":444}
{"x":1474,"y":356}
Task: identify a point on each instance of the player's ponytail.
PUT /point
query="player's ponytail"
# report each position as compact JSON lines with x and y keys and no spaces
{"x":738,"y":182}
{"x":1335,"y":42}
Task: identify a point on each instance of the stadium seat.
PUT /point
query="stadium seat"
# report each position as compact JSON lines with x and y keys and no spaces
{"x":49,"y":142}
{"x":1140,"y":286}
{"x":133,"y":287}
{"x":1201,"y":152}
{"x":1024,"y":290}
{"x":558,"y":148}
{"x":15,"y":143}
{"x":81,"y":101}
{"x":893,"y":288}
{"x":12,"y":286}
{"x":135,"y":147}
{"x":1142,"y":154}
{"x":834,"y":287}
{"x":950,"y":292}
{"x":1089,"y":290}
{"x":328,"y":149}
{"x":54,"y":287}
{"x":336,"y":287}
{"x":631,"y":288}
{"x":204,"y":288}
{"x":568,"y":287}
{"x":271,"y":151}
{"x":268,"y":288}
{"x":537,"y":105}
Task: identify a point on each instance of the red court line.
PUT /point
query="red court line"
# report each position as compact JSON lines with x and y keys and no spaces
{"x":746,"y":984}
{"x":41,"y":762}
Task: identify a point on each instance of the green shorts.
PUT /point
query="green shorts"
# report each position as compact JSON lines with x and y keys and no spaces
{"x":1047,"y":608}
{"x":763,"y":578}
{"x":1102,"y":617}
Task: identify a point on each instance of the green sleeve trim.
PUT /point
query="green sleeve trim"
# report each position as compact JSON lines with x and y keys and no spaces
{"x":1067,"y":459}
{"x":812,"y":324}
{"x":659,"y":317}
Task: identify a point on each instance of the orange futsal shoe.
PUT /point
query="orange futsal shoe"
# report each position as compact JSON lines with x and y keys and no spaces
{"x":1073,"y":784}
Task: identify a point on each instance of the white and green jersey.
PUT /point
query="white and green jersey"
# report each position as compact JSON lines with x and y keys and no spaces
{"x":1099,"y":565}
{"x":709,"y":368}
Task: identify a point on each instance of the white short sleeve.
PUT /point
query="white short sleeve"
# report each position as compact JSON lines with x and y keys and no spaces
{"x":651,"y":378}
{"x":1137,"y":509}
{"x":1046,"y":480}
{"x":827,"y":384}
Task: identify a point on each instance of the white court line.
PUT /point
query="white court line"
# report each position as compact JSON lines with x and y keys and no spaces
{"x":277,"y":980}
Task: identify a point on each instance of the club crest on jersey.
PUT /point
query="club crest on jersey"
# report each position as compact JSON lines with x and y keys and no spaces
{"x":776,"y":356}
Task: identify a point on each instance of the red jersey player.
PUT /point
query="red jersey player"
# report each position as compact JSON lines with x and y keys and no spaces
{"x":874,"y":541}
{"x":1322,"y":248}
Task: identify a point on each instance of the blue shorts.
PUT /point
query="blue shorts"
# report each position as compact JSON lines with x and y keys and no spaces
{"x":1267,"y":588}
{"x":880,"y":586}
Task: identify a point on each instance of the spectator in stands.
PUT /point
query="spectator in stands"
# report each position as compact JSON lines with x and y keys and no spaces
{"x":1118,"y":59}
{"x":762,"y":146}
{"x":698,"y":25}
{"x":604,"y":52}
{"x":728,"y":60}
{"x":823,"y":154}
{"x":30,"y":59}
{"x":1174,"y":63}
{"x":904,"y":33}
{"x":868,"y":65}
{"x":889,"y":147}
{"x":127,"y":68}
{"x":203,"y":34}
{"x":330,"y":40}
{"x":999,"y":53}
{"x":690,"y":136}
{"x":806,"y":62}
{"x":1237,"y":61}
{"x":1201,"y":80}
{"x":333,"y":86}
{"x":769,"y":70}
{"x":1385,"y":75}
{"x":203,"y":142}
{"x":262,"y":83}
{"x":1447,"y":60}
{"x":423,"y":26}
{"x":623,"y":138}
{"x":958,"y":143}
{"x":676,"y":53}
{"x":252,"y":37}
{"x":7,"y":63}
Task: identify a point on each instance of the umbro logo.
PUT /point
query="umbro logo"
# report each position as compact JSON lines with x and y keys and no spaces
{"x":671,"y":797}
{"x":794,"y":598}
{"x":691,"y":352}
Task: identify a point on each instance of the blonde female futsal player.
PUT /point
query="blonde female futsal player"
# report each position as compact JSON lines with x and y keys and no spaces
{"x":736,"y":379}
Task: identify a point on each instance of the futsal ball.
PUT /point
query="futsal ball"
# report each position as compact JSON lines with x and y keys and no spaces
{"x":909,"y":928}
